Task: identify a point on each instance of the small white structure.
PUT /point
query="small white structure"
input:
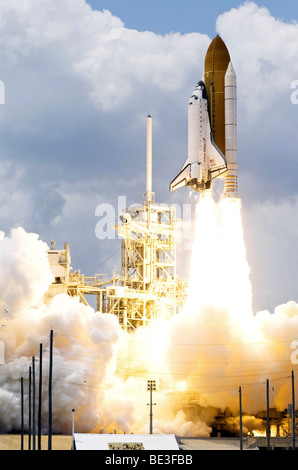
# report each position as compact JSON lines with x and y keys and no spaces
{"x":59,"y":261}
{"x":125,"y":442}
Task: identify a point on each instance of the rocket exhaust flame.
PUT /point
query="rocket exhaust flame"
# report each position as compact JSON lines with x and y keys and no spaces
{"x":219,"y":272}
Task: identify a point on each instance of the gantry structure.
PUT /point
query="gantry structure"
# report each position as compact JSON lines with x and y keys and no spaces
{"x":148,"y":285}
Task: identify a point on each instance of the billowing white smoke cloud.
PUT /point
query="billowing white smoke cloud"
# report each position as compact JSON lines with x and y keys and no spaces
{"x":84,"y":343}
{"x":249,"y":424}
{"x":23,"y":259}
{"x":181,"y":426}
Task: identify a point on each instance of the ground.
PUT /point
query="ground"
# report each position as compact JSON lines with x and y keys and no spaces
{"x":13,"y":442}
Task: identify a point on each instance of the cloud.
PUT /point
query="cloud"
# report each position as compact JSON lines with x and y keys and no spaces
{"x":79,"y":85}
{"x":69,"y":38}
{"x":262,"y":48}
{"x":23,"y":257}
{"x":271,"y":230}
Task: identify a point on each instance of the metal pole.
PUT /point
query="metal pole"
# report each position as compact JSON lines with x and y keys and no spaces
{"x":293,"y":412}
{"x":39,"y":397}
{"x":151,"y":385}
{"x":72,"y":432}
{"x":149,"y":157}
{"x":150,"y":414}
{"x":22,"y":413}
{"x":29,"y":425}
{"x":33,"y":391}
{"x":268,"y":418}
{"x":50,"y":391}
{"x":240,"y":415}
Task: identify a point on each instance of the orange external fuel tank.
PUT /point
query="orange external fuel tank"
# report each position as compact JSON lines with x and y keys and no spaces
{"x":216,"y":63}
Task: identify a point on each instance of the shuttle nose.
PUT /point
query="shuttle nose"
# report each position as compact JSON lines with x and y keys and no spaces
{"x":201,"y":86}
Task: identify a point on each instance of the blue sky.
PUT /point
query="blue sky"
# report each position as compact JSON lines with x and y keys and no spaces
{"x":185,"y":16}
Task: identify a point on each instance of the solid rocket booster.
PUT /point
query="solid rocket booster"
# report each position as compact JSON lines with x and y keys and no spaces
{"x":231,"y":184}
{"x":212,"y":126}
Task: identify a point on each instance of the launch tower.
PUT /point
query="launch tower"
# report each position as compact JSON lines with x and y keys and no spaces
{"x":148,"y":285}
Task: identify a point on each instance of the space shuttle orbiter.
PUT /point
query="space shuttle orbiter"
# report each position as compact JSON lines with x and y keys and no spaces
{"x":205,"y":161}
{"x":212,"y":126}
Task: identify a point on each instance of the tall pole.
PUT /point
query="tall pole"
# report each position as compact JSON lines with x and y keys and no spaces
{"x":22,"y":413}
{"x":240,"y":415}
{"x":293,"y":412}
{"x":149,"y":157}
{"x":29,"y":425}
{"x":151,"y":385}
{"x":268,"y":417}
{"x":39,"y":397}
{"x":72,"y":431}
{"x":50,"y":391}
{"x":150,"y":413}
{"x":33,"y":409}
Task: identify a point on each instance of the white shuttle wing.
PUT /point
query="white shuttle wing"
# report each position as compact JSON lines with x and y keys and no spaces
{"x":182,"y":178}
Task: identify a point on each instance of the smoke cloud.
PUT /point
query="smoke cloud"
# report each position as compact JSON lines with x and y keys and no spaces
{"x":199,"y":358}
